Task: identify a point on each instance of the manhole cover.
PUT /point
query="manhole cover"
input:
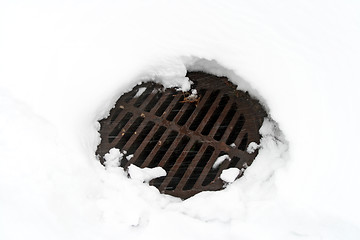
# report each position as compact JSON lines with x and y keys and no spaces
{"x":184,"y":133}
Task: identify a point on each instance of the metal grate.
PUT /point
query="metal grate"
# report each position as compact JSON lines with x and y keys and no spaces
{"x":185,"y":136}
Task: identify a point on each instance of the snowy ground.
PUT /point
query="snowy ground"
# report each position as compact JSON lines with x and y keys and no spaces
{"x":64,"y":63}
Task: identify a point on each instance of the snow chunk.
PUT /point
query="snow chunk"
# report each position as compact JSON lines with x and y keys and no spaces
{"x":112,"y":159}
{"x":181,"y":83}
{"x":229,"y":175}
{"x":170,"y":73}
{"x":252,"y":147}
{"x":129,"y":157}
{"x":194,"y":93}
{"x":140,"y":91}
{"x":220,"y":159}
{"x":145,"y":174}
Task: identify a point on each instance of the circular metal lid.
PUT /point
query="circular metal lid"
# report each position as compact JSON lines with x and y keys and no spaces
{"x":185,"y":133}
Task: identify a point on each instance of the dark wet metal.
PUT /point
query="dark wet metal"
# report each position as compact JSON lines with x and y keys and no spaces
{"x":161,"y":127}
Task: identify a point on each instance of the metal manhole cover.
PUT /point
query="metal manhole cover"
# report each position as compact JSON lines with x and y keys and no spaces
{"x":183,"y":133}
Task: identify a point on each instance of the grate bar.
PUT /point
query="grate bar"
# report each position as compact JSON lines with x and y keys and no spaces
{"x":198,"y":108}
{"x":244,"y":142}
{"x":173,"y":168}
{"x":230,"y":127}
{"x":163,"y":149}
{"x":114,"y":135}
{"x":177,"y":98}
{"x":207,"y":169}
{"x":202,"y":112}
{"x":169,"y":102}
{"x":160,"y":149}
{"x":176,"y":109}
{"x":209,"y":120}
{"x":234,"y":162}
{"x":117,"y":120}
{"x":128,"y":131}
{"x":172,"y":155}
{"x":242,"y":133}
{"x":142,"y":98}
{"x":136,"y":137}
{"x":180,"y":172}
{"x":191,"y":107}
{"x":137,"y":159}
{"x":191,"y":169}
{"x":217,"y":125}
{"x":154,"y":100}
{"x":236,"y":129}
{"x":160,"y":102}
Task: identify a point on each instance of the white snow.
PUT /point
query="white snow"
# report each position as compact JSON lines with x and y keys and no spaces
{"x":63,"y":64}
{"x":229,"y":175}
{"x":129,"y":157}
{"x":252,"y":147}
{"x":139,"y":92}
{"x":220,"y":160}
{"x":145,"y":174}
{"x":112,"y":159}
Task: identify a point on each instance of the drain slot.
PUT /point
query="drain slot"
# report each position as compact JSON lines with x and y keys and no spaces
{"x":204,"y":110}
{"x":141,"y":137}
{"x":153,"y":102}
{"x":165,"y":104}
{"x":163,"y":149}
{"x":114,"y":134}
{"x":236,"y":130}
{"x":225,"y":123}
{"x":149,"y":147}
{"x":127,"y":134}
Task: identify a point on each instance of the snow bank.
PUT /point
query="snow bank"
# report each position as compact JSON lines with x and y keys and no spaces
{"x":63,"y":64}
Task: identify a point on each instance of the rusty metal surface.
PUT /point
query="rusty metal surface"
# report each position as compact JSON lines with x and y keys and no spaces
{"x":161,"y":127}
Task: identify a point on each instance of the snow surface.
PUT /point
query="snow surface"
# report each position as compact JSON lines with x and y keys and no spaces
{"x":63,"y":64}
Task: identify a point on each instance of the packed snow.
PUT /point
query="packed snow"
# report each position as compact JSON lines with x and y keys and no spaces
{"x":63,"y":65}
{"x":229,"y":175}
{"x":252,"y":147}
{"x":145,"y":174}
{"x":139,"y":92}
{"x":220,"y":160}
{"x":113,"y":158}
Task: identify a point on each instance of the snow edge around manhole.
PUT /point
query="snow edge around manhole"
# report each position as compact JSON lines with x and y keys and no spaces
{"x":259,"y":180}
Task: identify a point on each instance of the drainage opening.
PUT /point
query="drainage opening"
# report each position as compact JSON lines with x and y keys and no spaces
{"x":184,"y":134}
